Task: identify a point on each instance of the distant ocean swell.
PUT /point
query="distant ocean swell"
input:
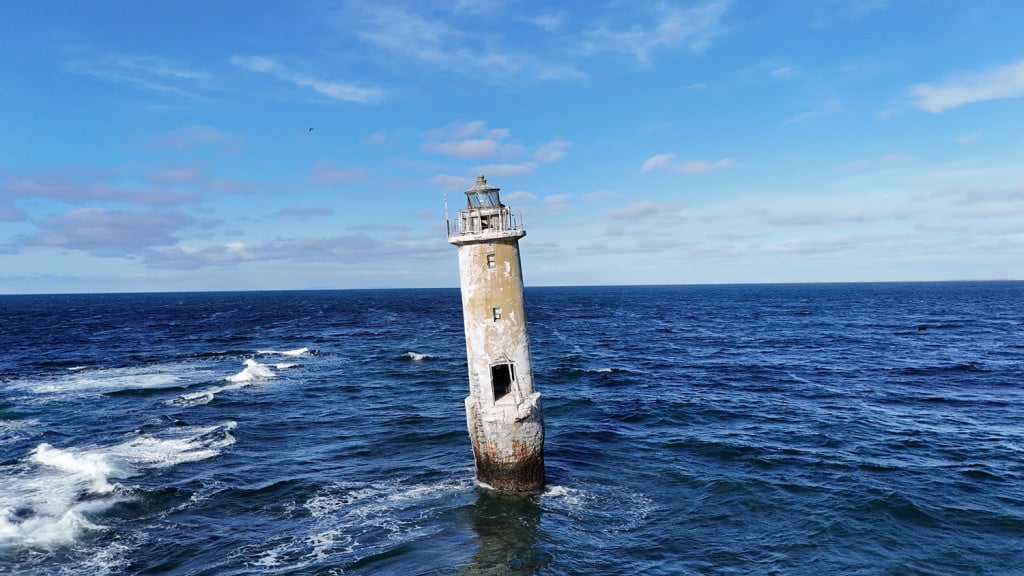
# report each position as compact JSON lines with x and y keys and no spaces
{"x":690,"y":430}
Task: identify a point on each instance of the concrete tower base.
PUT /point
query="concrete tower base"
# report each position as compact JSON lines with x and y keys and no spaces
{"x":508,"y":443}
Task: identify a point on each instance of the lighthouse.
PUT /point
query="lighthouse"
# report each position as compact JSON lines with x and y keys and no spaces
{"x":503,"y":413}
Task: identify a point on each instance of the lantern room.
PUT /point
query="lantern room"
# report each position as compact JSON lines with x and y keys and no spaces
{"x":482,"y":195}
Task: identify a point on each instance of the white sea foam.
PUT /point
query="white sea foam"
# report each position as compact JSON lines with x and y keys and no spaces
{"x":558,"y":491}
{"x":194,"y":398}
{"x":342,"y":515}
{"x":12,"y":431}
{"x":54,"y":495}
{"x":253,"y":371}
{"x":296,"y":352}
{"x":97,"y":467}
{"x":87,"y":380}
{"x":417,"y":357}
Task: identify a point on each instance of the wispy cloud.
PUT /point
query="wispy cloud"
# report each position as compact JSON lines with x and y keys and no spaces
{"x":997,"y":83}
{"x":550,"y":21}
{"x":108,"y":233}
{"x":968,"y":138}
{"x":338,"y":250}
{"x":11,"y":213}
{"x":147,"y":72}
{"x":464,"y":38}
{"x":337,"y":90}
{"x":325,"y":173}
{"x":785,"y":72}
{"x":667,"y":26}
{"x":73,"y":186}
{"x":822,"y":109}
{"x":475,"y":141}
{"x":638,"y":211}
{"x":192,"y":137}
{"x":986,"y":202}
{"x":304,"y":213}
{"x":669,"y":161}
{"x":402,"y":31}
{"x":830,"y":12}
{"x":556,"y":202}
{"x":552,"y":151}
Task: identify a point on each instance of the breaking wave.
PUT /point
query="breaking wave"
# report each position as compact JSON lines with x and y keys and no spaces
{"x":55,"y":494}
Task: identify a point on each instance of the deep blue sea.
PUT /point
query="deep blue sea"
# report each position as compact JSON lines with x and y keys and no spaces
{"x":756,"y":429}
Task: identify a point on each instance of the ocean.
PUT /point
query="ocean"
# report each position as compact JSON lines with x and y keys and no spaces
{"x":742,"y":429}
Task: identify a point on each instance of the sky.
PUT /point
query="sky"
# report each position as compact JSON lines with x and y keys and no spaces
{"x":313,"y":144}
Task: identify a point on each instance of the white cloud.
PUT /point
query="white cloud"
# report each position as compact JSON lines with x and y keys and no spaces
{"x":701,"y":166}
{"x":461,"y":130}
{"x":450,"y":183}
{"x":108,"y":233}
{"x":147,"y":72}
{"x":354,"y":249}
{"x":178,"y":174}
{"x":968,"y":138}
{"x":669,"y":161}
{"x":520,"y":197}
{"x":474,"y":140}
{"x":193,"y":136}
{"x":638,"y":211}
{"x":784,"y":72}
{"x":669,"y":26}
{"x":831,"y":12}
{"x":498,"y":170}
{"x":326,"y":174}
{"x":379,"y":137}
{"x":73,"y":186}
{"x":304,"y":213}
{"x":11,"y":213}
{"x":822,"y":109}
{"x":469,"y":148}
{"x":1000,"y":82}
{"x":556,"y":202}
{"x":551,"y":152}
{"x":401,"y":31}
{"x":659,"y":161}
{"x":337,"y":90}
{"x":549,"y":21}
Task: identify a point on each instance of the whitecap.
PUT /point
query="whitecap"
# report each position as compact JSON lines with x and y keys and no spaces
{"x":295,"y":352}
{"x":53,"y":496}
{"x":84,"y":380}
{"x":417,"y":357}
{"x":98,"y":467}
{"x":194,"y":398}
{"x":253,"y":371}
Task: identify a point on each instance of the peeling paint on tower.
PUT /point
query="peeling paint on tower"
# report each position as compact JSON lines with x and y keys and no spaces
{"x":503,"y":413}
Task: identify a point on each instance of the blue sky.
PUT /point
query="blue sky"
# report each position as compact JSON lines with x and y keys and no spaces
{"x":167,"y":145}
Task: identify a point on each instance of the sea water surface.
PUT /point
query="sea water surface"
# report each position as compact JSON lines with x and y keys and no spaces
{"x":761,"y":429}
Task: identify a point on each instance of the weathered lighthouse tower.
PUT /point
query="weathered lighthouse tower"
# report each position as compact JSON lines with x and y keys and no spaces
{"x":503,"y":412}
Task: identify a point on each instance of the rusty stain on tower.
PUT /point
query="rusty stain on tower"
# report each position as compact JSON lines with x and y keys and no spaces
{"x":503,"y":412}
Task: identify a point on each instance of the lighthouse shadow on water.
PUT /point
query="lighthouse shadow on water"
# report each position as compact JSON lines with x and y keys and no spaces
{"x":506,"y":525}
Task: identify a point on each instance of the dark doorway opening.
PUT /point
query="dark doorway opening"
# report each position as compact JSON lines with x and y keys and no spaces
{"x":502,"y":376}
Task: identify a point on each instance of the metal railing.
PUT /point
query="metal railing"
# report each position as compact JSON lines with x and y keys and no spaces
{"x":480,"y":221}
